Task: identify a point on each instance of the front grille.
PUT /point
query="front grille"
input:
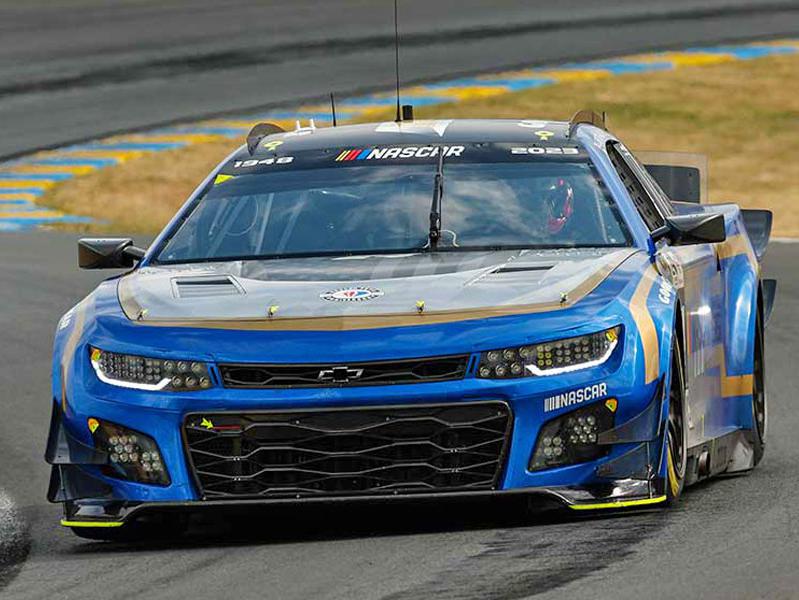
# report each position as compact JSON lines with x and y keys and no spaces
{"x":417,"y":370}
{"x":426,"y":448}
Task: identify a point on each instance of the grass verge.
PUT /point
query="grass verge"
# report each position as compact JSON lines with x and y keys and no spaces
{"x":743,"y":115}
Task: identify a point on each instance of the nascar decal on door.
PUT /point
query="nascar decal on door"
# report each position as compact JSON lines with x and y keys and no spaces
{"x":356,"y":294}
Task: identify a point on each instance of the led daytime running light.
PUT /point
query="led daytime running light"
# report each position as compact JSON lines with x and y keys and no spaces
{"x":550,"y":358}
{"x":149,"y":374}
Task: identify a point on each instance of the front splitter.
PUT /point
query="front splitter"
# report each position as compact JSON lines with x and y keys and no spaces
{"x":628,"y":494}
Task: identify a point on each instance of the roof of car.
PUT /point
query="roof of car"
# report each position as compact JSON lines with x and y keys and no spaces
{"x":418,"y":132}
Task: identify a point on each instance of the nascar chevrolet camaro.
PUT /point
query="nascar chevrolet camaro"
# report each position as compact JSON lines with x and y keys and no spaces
{"x":415,"y":309}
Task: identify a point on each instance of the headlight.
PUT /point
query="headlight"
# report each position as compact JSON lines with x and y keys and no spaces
{"x":550,"y":358}
{"x":142,"y":373}
{"x":572,"y":438}
{"x":131,"y":454}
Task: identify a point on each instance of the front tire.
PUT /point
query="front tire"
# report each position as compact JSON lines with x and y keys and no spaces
{"x":759,"y":404}
{"x":676,"y":432}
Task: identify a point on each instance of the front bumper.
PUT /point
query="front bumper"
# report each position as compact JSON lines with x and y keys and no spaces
{"x":631,"y":475}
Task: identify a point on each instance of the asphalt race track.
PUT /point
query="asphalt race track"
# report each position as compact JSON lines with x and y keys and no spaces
{"x":730,"y":538}
{"x":74,"y":69}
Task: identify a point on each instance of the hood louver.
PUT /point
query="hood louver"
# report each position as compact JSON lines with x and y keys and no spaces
{"x":205,"y":287}
{"x":521,"y":269}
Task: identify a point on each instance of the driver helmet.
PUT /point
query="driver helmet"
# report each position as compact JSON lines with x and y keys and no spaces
{"x":559,"y":203}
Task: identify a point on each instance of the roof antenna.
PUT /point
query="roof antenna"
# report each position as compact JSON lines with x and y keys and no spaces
{"x":333,"y":107}
{"x":396,"y":61}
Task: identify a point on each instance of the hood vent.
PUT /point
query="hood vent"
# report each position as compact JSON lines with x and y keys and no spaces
{"x":510,"y":273}
{"x":521,"y":268}
{"x":206,"y":287}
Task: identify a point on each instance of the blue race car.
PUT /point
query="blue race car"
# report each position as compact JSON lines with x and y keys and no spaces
{"x":415,"y":309}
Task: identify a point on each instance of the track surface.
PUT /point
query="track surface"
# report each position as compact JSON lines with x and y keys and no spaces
{"x":72,"y":69}
{"x":732,"y":538}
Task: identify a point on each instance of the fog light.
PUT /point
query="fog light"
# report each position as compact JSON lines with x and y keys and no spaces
{"x":131,"y":454}
{"x":572,"y":438}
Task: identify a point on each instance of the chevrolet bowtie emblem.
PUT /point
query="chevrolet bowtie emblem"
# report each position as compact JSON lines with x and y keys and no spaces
{"x":339,"y":374}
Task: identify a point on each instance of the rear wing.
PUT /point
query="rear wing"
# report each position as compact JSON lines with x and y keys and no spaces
{"x":758,"y":228}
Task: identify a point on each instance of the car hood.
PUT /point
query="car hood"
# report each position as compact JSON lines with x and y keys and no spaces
{"x":456,"y":284}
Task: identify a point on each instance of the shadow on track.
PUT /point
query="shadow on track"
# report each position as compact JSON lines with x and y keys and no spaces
{"x":518,"y":550}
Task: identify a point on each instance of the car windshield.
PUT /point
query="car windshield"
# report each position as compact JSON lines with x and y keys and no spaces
{"x":384,"y":208}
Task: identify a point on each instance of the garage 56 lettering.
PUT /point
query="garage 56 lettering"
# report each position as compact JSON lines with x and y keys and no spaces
{"x":575,"y":397}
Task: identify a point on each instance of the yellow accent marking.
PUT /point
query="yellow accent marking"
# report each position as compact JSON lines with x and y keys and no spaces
{"x":222,"y":179}
{"x":37,"y":214}
{"x":93,"y":424}
{"x":66,"y":523}
{"x":734,"y":385}
{"x":566,"y":75}
{"x":27,"y":183}
{"x":273,"y":309}
{"x":646,"y":325}
{"x":96,"y":354}
{"x":206,"y":423}
{"x":186,"y":138}
{"x":683,"y":59}
{"x":612,"y":404}
{"x":75,"y":169}
{"x":673,"y":483}
{"x":19,"y":196}
{"x":544,"y":135}
{"x":342,"y":155}
{"x":119,"y":155}
{"x":468,"y":93}
{"x":618,"y":503}
{"x":272,"y":145}
{"x":737,"y":245}
{"x":361,"y":108}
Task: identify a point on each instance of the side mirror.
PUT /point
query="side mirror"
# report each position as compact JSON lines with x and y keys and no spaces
{"x":108,"y":253}
{"x":701,"y":228}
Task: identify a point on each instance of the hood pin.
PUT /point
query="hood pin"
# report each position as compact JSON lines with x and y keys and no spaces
{"x":420,"y":306}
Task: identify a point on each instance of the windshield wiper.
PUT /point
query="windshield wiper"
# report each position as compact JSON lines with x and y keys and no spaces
{"x":435,"y":208}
